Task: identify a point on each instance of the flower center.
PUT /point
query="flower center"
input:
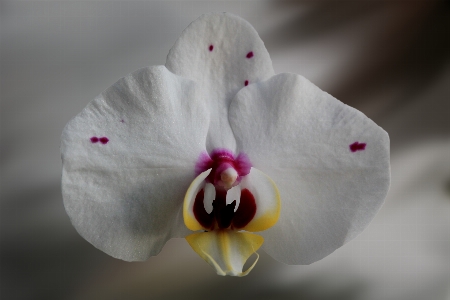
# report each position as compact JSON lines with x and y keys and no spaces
{"x":223,"y":215}
{"x":228,"y":177}
{"x":227,"y":170}
{"x":245,"y":200}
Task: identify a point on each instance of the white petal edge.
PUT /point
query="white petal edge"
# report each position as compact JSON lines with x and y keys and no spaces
{"x":125,"y":197}
{"x":300,"y":136}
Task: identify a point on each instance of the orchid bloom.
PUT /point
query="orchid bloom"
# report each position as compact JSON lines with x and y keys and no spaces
{"x":213,"y":142}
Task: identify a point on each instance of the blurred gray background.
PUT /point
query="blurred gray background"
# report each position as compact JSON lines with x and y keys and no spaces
{"x":389,"y":59}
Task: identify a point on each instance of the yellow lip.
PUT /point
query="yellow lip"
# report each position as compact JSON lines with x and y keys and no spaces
{"x":226,"y":250}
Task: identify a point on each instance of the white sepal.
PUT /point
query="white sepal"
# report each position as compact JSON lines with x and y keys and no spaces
{"x":223,"y":70}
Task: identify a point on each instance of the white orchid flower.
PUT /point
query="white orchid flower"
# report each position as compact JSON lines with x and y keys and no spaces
{"x":214,"y":142}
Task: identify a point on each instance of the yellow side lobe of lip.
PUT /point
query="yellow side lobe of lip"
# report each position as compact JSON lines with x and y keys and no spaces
{"x":226,"y":250}
{"x":189,"y":198}
{"x":266,"y":191}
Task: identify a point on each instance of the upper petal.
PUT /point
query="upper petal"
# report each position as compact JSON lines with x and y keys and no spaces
{"x":128,"y":159}
{"x":302,"y":138}
{"x":220,"y":52}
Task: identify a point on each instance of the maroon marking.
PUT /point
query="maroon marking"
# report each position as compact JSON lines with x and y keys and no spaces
{"x":211,"y":47}
{"x":104,"y":140}
{"x":246,"y":210}
{"x":205,"y":219}
{"x":94,"y":139}
{"x":250,"y":54}
{"x":356,"y":146}
{"x":246,"y":83}
{"x":122,"y":121}
{"x":223,"y":215}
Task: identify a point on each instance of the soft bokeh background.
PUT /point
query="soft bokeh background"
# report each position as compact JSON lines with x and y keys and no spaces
{"x":389,"y":59}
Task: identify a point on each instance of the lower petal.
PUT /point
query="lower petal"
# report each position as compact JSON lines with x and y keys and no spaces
{"x":226,"y":250}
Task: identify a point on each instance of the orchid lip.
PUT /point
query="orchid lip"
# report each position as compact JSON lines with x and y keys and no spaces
{"x":224,"y":235}
{"x":223,"y":215}
{"x":244,"y":200}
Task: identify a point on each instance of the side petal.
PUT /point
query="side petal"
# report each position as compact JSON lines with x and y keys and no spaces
{"x":267,"y":199}
{"x":226,"y":250}
{"x":222,"y":53}
{"x":330,"y":162}
{"x":128,"y":159}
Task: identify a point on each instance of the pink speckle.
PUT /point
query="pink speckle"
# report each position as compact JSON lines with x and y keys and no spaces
{"x":211,"y":47}
{"x":246,"y":83}
{"x":250,"y":54}
{"x":122,"y":121}
{"x":356,"y":146}
{"x":104,"y":140}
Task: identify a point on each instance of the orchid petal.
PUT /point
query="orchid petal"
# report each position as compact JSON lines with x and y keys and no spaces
{"x":330,"y":162}
{"x":222,"y":53}
{"x":226,"y":250}
{"x":128,"y":159}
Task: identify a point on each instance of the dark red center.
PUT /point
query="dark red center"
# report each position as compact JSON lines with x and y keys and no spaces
{"x":223,"y":215}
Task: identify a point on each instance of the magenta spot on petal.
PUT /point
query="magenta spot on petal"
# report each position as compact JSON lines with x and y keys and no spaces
{"x":211,"y":47}
{"x":246,"y":83}
{"x":94,"y":139}
{"x":356,"y":146}
{"x":250,"y":54}
{"x":104,"y":140}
